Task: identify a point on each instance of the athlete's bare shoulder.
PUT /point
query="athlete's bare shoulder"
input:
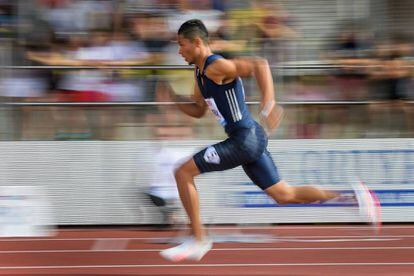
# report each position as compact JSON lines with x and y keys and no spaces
{"x":221,"y":69}
{"x":230,"y":68}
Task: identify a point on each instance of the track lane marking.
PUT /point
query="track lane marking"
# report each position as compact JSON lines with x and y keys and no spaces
{"x":205,"y":265}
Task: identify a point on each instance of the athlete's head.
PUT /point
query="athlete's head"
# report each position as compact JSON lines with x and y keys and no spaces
{"x":192,"y":35}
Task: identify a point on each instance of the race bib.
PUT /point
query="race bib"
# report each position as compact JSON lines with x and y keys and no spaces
{"x":213,"y":107}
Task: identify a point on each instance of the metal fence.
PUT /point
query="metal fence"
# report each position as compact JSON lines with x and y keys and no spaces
{"x":43,"y":119}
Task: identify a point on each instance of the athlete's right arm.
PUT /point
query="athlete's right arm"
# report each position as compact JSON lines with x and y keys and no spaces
{"x":196,"y":109}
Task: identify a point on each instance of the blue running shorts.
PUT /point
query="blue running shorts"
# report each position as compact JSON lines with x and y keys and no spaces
{"x":245,"y":147}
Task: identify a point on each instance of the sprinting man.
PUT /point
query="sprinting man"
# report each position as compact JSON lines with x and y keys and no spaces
{"x":219,"y":88}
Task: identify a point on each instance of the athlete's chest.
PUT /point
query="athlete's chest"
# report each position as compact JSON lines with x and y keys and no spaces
{"x":208,"y":90}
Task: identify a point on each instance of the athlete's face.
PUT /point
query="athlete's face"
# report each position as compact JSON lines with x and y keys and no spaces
{"x":188,"y":49}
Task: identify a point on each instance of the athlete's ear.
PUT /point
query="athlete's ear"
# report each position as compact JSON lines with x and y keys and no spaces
{"x":198,"y":41}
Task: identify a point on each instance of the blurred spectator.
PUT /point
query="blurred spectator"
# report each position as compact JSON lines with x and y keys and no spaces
{"x":91,"y":85}
{"x":88,"y":85}
{"x":77,"y":16}
{"x":25,"y":85}
{"x":103,"y":49}
{"x":392,"y":73}
{"x":200,"y":9}
{"x":222,"y":41}
{"x":93,"y":33}
{"x":179,"y":80}
{"x":123,"y":86}
{"x":7,"y":19}
{"x":153,"y":32}
{"x":392,"y":86}
{"x":272,"y":30}
{"x":352,"y":52}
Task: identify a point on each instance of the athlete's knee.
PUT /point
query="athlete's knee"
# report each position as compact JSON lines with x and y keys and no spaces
{"x":181,"y":172}
{"x":186,"y":170}
{"x":181,"y":177}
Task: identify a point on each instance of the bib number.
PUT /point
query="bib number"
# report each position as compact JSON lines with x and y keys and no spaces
{"x":213,"y":107}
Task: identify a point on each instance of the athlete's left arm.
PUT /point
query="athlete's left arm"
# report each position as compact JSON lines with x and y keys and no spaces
{"x":225,"y":70}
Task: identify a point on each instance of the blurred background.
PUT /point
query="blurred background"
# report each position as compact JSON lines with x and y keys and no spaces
{"x":85,"y":112}
{"x":99,"y":69}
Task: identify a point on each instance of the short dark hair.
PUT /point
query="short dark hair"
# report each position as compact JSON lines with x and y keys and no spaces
{"x":194,"y":28}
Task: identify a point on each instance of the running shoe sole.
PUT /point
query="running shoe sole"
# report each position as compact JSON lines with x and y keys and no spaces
{"x":369,"y":205}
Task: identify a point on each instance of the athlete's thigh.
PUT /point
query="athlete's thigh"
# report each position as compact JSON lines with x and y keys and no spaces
{"x":221,"y":156}
{"x":263,"y":172}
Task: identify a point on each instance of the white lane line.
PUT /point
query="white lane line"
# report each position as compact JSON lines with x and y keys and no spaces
{"x":77,"y":239}
{"x":275,"y":227}
{"x":202,"y":265}
{"x":214,"y":249}
{"x":310,"y":227}
{"x":277,"y":238}
{"x":335,"y":240}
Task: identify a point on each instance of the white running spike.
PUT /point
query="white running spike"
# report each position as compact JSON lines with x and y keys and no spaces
{"x":369,"y":205}
{"x":189,"y":250}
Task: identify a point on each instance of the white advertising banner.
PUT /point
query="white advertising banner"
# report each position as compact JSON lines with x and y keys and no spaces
{"x":24,"y":212}
{"x":106,"y":182}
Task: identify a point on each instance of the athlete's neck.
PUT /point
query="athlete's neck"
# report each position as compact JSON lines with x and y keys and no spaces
{"x":205,"y":53}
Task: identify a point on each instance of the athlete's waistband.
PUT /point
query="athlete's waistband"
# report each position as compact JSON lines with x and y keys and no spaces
{"x":233,"y":128}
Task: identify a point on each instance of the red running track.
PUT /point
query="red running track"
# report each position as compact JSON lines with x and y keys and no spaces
{"x":296,"y":250}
